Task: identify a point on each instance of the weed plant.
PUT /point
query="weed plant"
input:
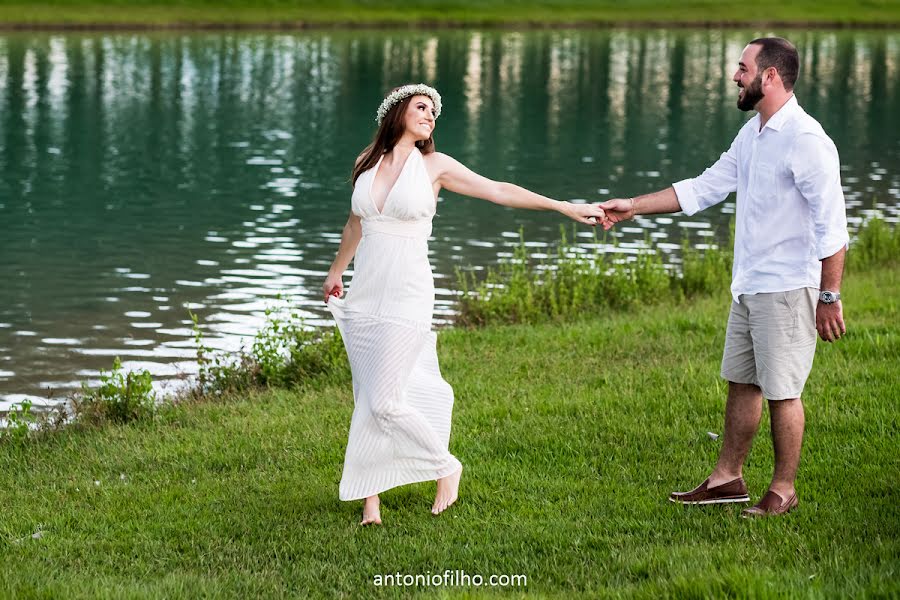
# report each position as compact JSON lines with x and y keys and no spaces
{"x":19,"y":422}
{"x":285,"y":353}
{"x":122,"y":397}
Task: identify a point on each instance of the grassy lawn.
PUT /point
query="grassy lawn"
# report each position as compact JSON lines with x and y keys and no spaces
{"x":446,"y":12}
{"x":572,"y":436}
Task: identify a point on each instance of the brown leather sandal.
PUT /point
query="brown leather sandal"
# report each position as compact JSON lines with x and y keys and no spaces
{"x":771,"y":504}
{"x":733,"y":491}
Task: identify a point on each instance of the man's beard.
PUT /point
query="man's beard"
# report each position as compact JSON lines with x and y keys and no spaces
{"x":752,"y":95}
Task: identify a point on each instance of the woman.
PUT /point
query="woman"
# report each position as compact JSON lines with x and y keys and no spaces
{"x":400,"y":429}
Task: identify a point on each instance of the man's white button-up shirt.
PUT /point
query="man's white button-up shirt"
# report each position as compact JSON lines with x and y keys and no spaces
{"x":790,"y":205}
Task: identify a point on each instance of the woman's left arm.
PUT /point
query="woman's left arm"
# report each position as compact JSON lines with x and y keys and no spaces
{"x":456,"y":177}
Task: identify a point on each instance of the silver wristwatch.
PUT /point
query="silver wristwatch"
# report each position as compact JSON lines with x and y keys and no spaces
{"x":827,"y":297}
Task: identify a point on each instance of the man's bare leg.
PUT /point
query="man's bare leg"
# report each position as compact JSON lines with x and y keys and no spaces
{"x":743,"y":410}
{"x":788,"y":423}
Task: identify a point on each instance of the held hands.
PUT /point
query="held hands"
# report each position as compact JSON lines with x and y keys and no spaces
{"x":589,"y":214}
{"x":617,"y":210}
{"x":333,"y":286}
{"x":830,"y":321}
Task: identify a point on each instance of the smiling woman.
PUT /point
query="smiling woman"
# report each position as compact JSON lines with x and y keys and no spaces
{"x":392,"y":123}
{"x":400,"y":429}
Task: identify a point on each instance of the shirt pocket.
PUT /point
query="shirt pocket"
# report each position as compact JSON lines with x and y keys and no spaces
{"x":764,"y":181}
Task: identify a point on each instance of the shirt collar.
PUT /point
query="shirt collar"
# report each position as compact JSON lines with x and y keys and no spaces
{"x":784,"y":113}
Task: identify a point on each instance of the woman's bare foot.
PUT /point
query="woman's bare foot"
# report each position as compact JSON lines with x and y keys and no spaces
{"x":371,"y":511}
{"x":447,"y":492}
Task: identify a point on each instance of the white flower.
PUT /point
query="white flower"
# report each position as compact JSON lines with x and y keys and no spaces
{"x":405,"y":92}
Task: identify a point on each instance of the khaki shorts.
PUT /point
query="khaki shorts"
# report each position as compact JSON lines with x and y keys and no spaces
{"x":771,"y":341}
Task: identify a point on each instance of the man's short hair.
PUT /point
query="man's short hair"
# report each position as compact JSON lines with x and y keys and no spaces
{"x":781,"y":54}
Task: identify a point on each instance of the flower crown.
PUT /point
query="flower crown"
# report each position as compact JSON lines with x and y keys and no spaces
{"x":405,"y":92}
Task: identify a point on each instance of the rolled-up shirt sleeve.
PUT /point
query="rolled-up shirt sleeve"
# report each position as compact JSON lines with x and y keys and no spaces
{"x":712,"y":186}
{"x":816,"y":168}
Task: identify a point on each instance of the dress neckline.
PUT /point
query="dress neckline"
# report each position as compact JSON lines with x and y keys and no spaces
{"x":387,"y":197}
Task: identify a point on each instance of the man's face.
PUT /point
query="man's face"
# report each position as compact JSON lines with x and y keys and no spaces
{"x":748,"y":79}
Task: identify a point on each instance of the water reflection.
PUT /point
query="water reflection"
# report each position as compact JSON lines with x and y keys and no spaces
{"x":142,"y":176}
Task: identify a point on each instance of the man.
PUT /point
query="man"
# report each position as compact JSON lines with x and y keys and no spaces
{"x":789,"y":247}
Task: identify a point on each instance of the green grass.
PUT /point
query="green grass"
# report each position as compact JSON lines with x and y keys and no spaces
{"x":571,"y":434}
{"x":447,"y":12}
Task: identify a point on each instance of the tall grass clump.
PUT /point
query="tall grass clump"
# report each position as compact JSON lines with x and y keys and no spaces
{"x":876,"y":244}
{"x":284,"y":353}
{"x":573,"y":283}
{"x":705,"y":272}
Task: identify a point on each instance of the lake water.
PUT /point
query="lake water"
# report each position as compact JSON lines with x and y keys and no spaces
{"x":143,"y":175}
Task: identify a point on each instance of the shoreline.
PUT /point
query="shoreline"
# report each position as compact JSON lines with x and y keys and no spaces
{"x":426,"y":24}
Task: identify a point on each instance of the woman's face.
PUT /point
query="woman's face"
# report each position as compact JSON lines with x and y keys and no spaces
{"x":419,"y":117}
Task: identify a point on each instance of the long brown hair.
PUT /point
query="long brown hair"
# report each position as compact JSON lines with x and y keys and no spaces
{"x":387,"y":136}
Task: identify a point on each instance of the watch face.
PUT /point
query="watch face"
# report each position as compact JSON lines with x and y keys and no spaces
{"x":827,"y":297}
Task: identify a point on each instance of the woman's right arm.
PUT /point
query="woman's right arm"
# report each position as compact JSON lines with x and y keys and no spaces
{"x":334,"y":283}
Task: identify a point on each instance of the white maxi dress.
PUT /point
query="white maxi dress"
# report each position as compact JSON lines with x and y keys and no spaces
{"x":400,"y":429}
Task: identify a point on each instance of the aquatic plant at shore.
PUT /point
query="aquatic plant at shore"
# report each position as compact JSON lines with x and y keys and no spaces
{"x":121,"y":397}
{"x":572,"y":283}
{"x":285,"y":353}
